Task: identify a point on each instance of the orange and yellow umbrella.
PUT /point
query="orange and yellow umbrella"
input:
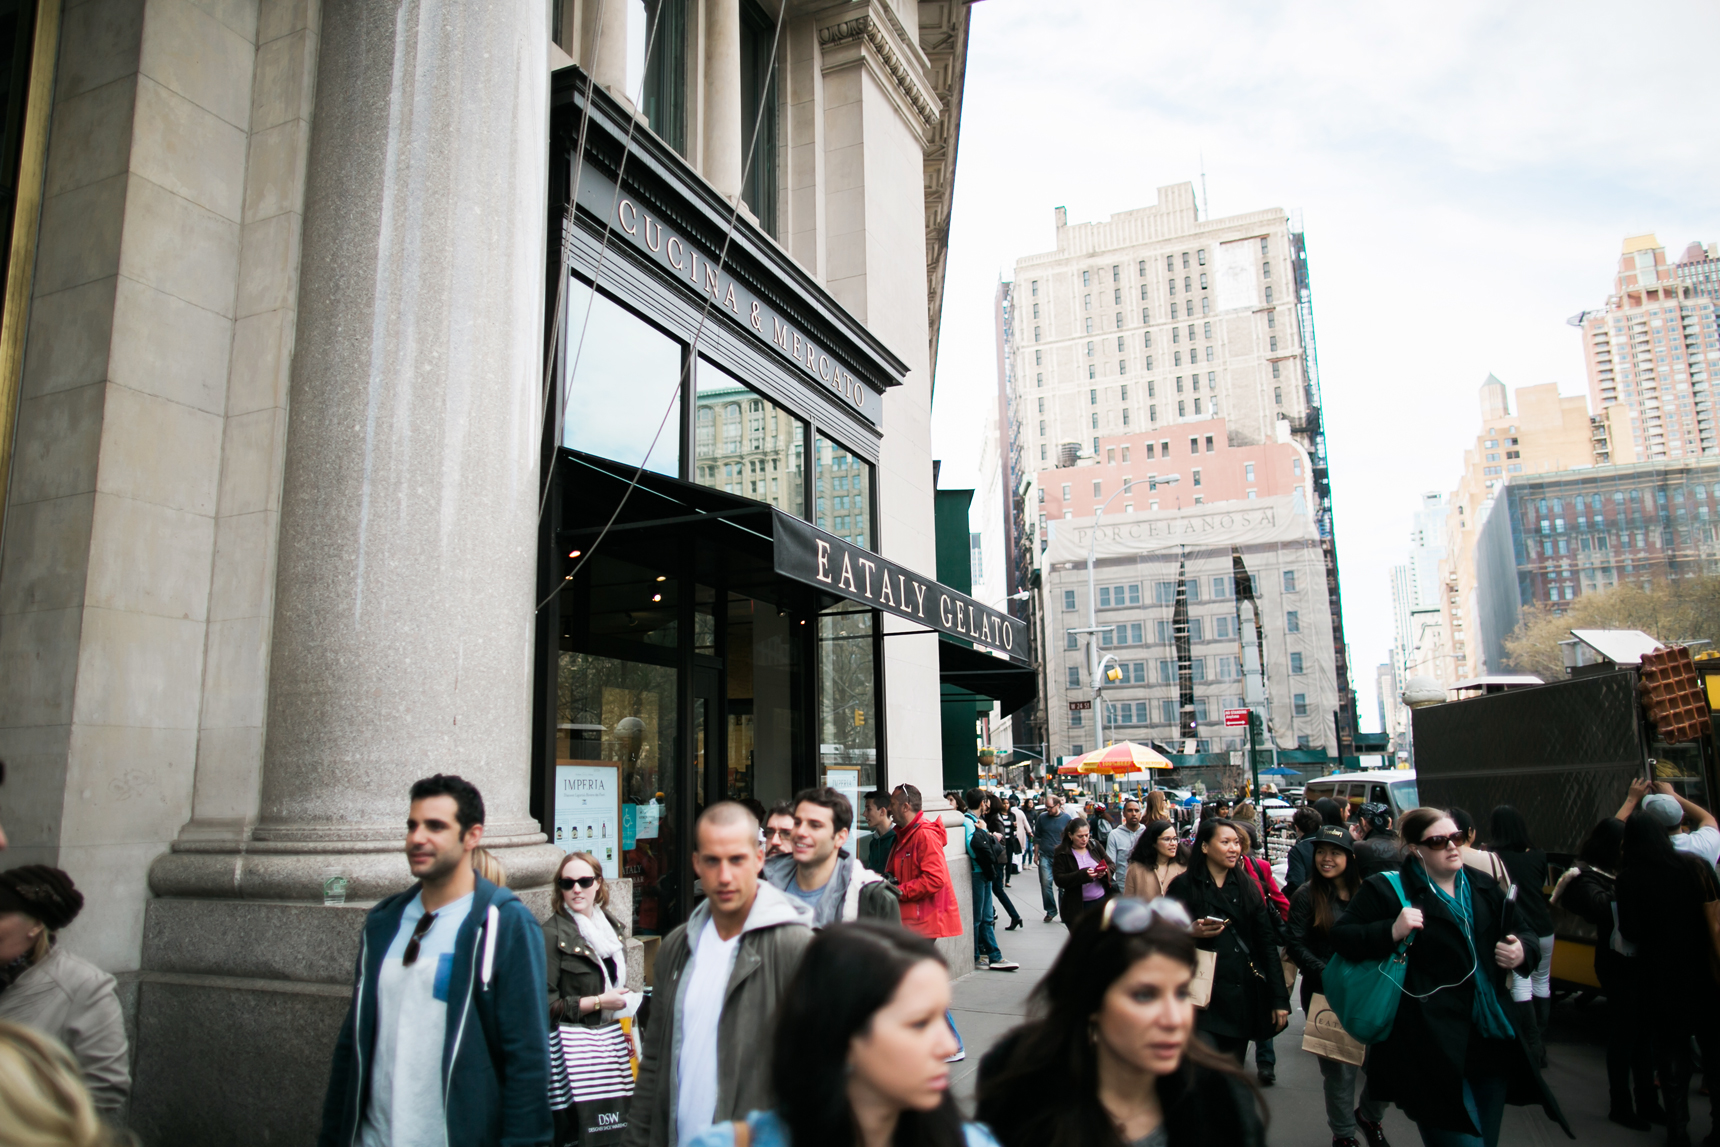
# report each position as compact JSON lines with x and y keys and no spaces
{"x":1123,"y":757}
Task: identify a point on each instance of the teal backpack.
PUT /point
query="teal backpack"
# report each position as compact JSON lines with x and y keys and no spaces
{"x":1365,"y":994}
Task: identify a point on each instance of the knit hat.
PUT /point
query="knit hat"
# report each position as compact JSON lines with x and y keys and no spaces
{"x":42,"y":892}
{"x":1664,"y":808}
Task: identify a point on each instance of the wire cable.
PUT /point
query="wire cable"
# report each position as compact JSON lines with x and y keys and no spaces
{"x":698,"y":331}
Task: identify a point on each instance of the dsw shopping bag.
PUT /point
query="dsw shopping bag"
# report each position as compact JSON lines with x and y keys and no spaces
{"x":1325,"y":1036}
{"x":1200,"y":989}
{"x":596,"y":1065}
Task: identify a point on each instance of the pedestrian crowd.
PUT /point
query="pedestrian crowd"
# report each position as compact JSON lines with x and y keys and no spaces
{"x":805,"y":999}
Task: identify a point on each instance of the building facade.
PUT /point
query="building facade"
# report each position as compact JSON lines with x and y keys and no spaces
{"x":1654,"y":350}
{"x":479,"y":389}
{"x":1155,"y":328}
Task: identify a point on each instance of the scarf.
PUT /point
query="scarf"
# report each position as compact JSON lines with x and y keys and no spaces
{"x":1489,"y":1018}
{"x":600,"y":934}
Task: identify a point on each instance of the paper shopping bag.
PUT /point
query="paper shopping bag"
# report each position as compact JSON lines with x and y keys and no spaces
{"x":1290,"y":971}
{"x":1325,"y":1036}
{"x":1205,"y":964}
{"x":599,"y":1067}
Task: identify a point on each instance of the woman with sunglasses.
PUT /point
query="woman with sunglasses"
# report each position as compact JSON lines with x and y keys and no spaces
{"x":583,"y":949}
{"x":1454,"y":1058}
{"x":861,"y":1055}
{"x":1319,"y":903}
{"x":1250,"y":1001}
{"x":1111,"y":1060}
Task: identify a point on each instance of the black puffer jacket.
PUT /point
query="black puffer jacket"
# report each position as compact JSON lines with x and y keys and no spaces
{"x":1309,"y":946}
{"x":1529,"y":873}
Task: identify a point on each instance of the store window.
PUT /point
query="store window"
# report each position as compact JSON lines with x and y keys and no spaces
{"x":842,"y":493}
{"x":848,"y":700}
{"x":758,"y":114}
{"x":745,"y":444}
{"x":622,"y":378}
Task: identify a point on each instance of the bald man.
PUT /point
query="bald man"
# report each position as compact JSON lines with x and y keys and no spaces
{"x":718,"y":979}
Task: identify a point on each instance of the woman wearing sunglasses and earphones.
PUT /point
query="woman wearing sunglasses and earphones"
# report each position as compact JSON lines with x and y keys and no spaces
{"x":582,"y":945}
{"x":1453,"y":1059}
{"x":1112,"y":1059}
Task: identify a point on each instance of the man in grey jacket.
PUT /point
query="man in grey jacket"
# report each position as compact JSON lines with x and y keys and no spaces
{"x":1120,"y":845}
{"x":820,"y":872}
{"x":718,"y":979}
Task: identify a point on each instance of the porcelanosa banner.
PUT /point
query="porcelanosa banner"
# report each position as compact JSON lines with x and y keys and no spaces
{"x":808,"y":554}
{"x":1259,"y":522}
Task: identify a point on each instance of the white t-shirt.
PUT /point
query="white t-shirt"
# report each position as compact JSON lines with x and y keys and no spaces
{"x":1703,"y":842}
{"x":701,"y":1008}
{"x":405,"y":1108}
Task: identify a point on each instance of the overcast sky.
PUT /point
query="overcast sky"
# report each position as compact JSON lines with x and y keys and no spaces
{"x":1466,"y":173}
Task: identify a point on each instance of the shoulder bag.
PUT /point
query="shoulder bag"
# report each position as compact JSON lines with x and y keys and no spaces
{"x":1364,"y":993}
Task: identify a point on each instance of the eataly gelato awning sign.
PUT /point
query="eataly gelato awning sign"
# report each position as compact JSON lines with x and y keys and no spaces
{"x":808,"y":554}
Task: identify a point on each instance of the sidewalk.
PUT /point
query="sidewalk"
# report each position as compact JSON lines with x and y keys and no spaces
{"x":988,"y":1004}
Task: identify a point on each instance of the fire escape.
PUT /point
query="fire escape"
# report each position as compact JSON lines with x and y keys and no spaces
{"x":1311,"y":430}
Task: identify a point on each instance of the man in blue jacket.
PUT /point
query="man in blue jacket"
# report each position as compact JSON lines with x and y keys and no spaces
{"x":446,"y":1043}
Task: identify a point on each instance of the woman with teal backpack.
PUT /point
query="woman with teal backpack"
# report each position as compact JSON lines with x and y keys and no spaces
{"x":1452,"y":1059}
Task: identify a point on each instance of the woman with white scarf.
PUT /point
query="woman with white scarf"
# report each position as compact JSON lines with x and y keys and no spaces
{"x":583,"y":949}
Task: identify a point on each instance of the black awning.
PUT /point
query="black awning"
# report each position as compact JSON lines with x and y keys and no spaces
{"x":1007,"y":682}
{"x":753,"y":545}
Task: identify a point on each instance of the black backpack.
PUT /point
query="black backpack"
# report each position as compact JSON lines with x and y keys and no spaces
{"x":985,"y":848}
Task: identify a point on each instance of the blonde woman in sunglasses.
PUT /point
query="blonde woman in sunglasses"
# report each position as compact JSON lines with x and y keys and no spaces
{"x":1454,"y":1058}
{"x":582,"y":941}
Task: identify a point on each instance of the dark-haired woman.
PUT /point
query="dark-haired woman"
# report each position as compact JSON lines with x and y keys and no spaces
{"x":1159,"y":857}
{"x":1112,"y":1061}
{"x":1592,"y":894}
{"x":1319,"y":903}
{"x":1079,"y":870}
{"x":1453,"y":1059}
{"x":1250,"y":1000}
{"x":1660,"y":897}
{"x":999,"y":824}
{"x":861,"y":1049}
{"x":1532,"y":989}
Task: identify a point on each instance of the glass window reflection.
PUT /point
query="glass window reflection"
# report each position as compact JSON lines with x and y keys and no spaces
{"x":848,"y":693}
{"x":842,"y":493}
{"x":623,"y":392}
{"x":743,"y":443}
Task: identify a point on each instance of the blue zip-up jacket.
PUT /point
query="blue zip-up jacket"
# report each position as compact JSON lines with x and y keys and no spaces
{"x":495,"y":1053}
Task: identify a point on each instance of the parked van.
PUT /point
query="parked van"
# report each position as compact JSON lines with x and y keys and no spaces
{"x":1394,"y":788}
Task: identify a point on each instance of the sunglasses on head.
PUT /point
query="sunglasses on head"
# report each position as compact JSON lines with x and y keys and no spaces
{"x":1442,"y":841}
{"x":1131,"y":916}
{"x":569,"y":883}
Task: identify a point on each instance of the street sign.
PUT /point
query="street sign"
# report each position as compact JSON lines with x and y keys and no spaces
{"x":1074,"y":705}
{"x":1235,"y":717}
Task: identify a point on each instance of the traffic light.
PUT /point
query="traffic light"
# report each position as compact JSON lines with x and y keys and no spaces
{"x":1113,"y":674}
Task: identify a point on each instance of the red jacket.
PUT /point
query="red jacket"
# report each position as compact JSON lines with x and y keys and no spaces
{"x":918,"y":867}
{"x":1268,"y":885}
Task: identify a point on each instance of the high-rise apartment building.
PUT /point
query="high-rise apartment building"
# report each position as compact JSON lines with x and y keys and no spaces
{"x":1419,"y":644}
{"x":1653,"y":348}
{"x":1548,"y":432}
{"x":1159,"y":324}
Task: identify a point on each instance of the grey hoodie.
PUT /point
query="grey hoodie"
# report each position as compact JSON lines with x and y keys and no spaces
{"x":854,"y":892}
{"x":772,"y":941}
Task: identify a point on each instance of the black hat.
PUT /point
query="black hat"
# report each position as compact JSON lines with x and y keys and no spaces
{"x":45,"y":893}
{"x":1335,"y":835}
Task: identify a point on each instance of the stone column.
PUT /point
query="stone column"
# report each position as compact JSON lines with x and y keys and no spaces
{"x":720,"y":155}
{"x":605,"y":55}
{"x":404,"y":585}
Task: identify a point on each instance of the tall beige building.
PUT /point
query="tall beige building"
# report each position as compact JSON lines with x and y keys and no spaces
{"x":1548,"y":432}
{"x":1653,"y":348}
{"x":1156,"y":319}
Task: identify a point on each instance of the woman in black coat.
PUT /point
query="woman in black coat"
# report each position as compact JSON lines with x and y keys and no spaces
{"x":1532,"y":990}
{"x":1592,"y":894}
{"x":1110,"y":1059}
{"x":1453,"y":1045}
{"x":1660,"y":896}
{"x":1250,"y":1000}
{"x":1077,"y":867}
